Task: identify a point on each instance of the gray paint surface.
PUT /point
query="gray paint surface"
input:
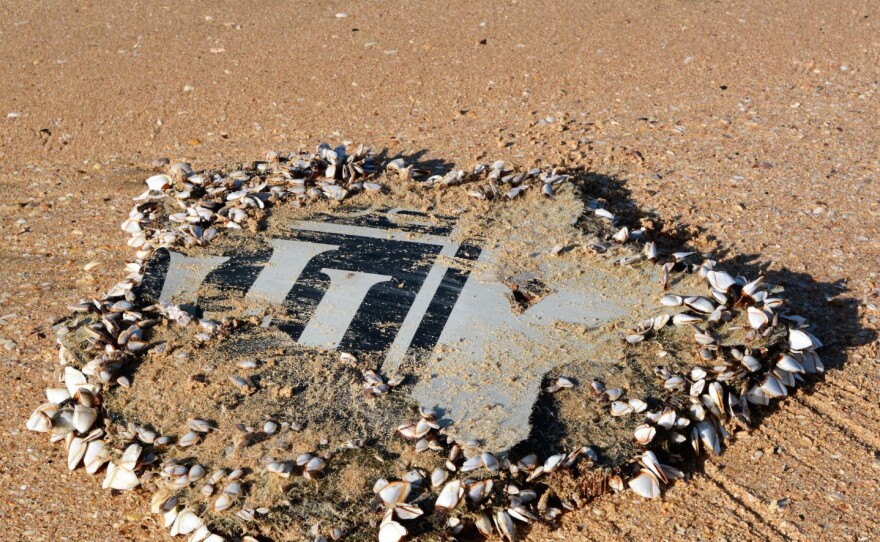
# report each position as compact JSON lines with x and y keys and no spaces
{"x":486,"y":368}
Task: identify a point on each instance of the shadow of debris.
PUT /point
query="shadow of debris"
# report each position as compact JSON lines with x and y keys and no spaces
{"x":428,"y":166}
{"x":826,"y":305}
{"x":829,"y":307}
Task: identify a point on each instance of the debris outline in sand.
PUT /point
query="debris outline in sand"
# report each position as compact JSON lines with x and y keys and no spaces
{"x":752,"y":352}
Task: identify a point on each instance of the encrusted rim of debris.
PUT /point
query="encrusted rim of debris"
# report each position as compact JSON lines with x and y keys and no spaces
{"x":776,"y":351}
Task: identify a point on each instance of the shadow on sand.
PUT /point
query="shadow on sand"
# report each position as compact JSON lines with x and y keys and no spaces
{"x":828,"y":306}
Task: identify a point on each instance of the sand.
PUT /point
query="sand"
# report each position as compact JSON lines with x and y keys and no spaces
{"x":751,"y":126}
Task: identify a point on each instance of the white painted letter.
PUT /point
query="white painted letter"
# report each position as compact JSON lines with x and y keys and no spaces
{"x":289,"y":259}
{"x":338,"y":307}
{"x":185,"y":275}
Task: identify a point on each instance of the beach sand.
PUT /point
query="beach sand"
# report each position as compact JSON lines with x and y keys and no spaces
{"x":752,"y":126}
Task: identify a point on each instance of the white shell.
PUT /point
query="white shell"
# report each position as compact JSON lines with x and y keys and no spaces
{"x":637,"y":405}
{"x":700,"y":304}
{"x":57,"y":395}
{"x":95,"y":456}
{"x":478,"y":491}
{"x":120,"y":478}
{"x":698,"y":373}
{"x":650,"y":461}
{"x":684,"y":318}
{"x":414,"y":477}
{"x":83,"y":418}
{"x":644,"y":434}
{"x":197,"y":472}
{"x":708,"y":435}
{"x":186,"y":522}
{"x":716,"y":395}
{"x":41,"y":419}
{"x":528,"y":462}
{"x":439,"y":476}
{"x":223,"y":502}
{"x":395,"y":492}
{"x":720,"y":297}
{"x":613,"y":394}
{"x":450,"y":495}
{"x":651,"y":251}
{"x":660,"y":321}
{"x":76,"y":450}
{"x":679,"y":256}
{"x":757,"y":318}
{"x":757,"y":396}
{"x":188,"y":439}
{"x":158,"y":182}
{"x":604,"y":214}
{"x":720,"y":280}
{"x":73,"y":379}
{"x":315,"y":464}
{"x":666,"y":419}
{"x":489,"y":461}
{"x":407,"y":511}
{"x":645,"y":485}
{"x":751,"y":363}
{"x":788,"y":363}
{"x":673,"y":382}
{"x":552,"y":462}
{"x":505,"y":526}
{"x":752,"y":287}
{"x":232,"y":488}
{"x":396,"y":164}
{"x":521,"y":513}
{"x":199,"y":535}
{"x":392,"y":531}
{"x":564,"y":382}
{"x":130,"y":456}
{"x":773,"y":387}
{"x":812,"y":363}
{"x":472,"y":464}
{"x":801,"y":340}
{"x":484,"y":524}
{"x":169,"y":516}
{"x":619,"y":408}
{"x":180,"y":169}
{"x":635,"y":338}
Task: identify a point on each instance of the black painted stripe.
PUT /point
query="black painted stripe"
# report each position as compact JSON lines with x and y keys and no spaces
{"x":440,"y":308}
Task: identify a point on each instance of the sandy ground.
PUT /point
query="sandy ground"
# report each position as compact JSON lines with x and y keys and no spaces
{"x":754,"y":124}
